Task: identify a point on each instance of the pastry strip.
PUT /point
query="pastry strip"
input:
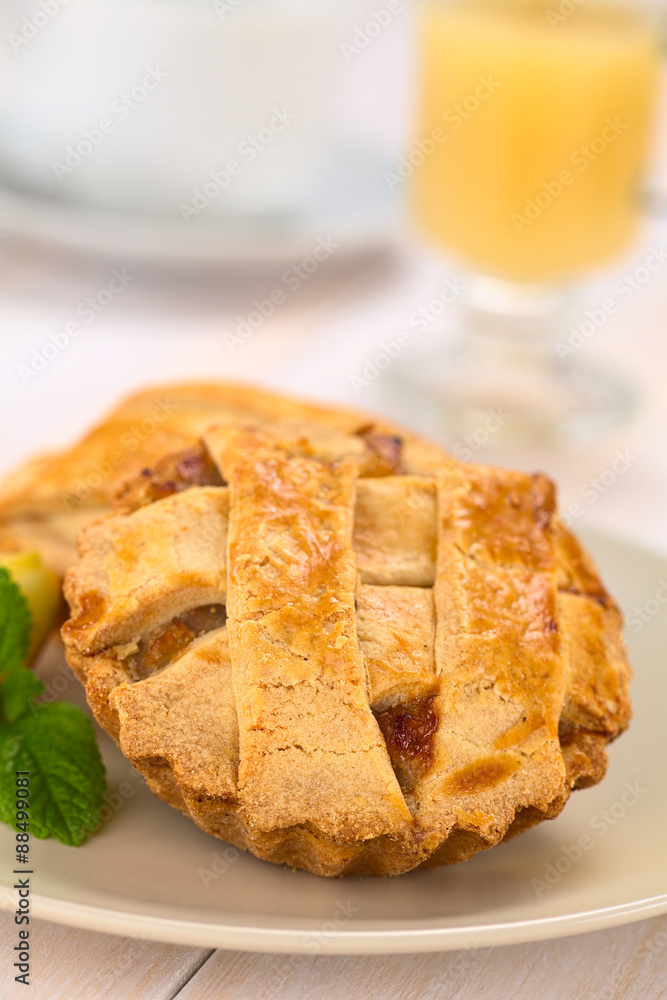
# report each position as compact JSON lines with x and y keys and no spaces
{"x":497,"y":651}
{"x":310,"y":749}
{"x":120,"y":584}
{"x":187,"y":715}
{"x":396,"y":627}
{"x":395,"y":531}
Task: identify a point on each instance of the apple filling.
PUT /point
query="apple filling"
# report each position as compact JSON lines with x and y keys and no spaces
{"x":408,"y":731}
{"x":170,"y":641}
{"x":172,"y":474}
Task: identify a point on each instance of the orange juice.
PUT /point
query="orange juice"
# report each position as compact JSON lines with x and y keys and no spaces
{"x":533,"y":128}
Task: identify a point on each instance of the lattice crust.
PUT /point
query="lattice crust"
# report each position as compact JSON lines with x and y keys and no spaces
{"x":46,"y":501}
{"x":342,"y":666}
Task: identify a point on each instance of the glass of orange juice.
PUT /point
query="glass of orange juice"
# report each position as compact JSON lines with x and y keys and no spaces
{"x":533,"y":125}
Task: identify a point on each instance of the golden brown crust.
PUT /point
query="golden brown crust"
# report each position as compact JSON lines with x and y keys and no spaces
{"x":310,"y":749}
{"x":46,"y":501}
{"x":414,"y":667}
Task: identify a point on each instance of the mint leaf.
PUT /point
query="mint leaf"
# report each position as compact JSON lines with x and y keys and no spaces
{"x":15,"y":623}
{"x":56,"y":744}
{"x":18,"y":689}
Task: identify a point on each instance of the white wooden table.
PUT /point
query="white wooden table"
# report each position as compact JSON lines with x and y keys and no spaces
{"x":173,"y":327}
{"x":627,"y":962}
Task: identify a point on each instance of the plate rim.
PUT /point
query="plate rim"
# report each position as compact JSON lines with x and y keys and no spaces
{"x":342,"y":941}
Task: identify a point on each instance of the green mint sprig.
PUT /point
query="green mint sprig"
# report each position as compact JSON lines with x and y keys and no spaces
{"x":54,"y":742}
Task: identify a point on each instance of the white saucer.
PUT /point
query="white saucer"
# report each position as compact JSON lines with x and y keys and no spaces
{"x":210,"y":239}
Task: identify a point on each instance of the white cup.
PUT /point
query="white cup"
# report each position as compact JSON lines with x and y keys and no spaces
{"x":137,"y":105}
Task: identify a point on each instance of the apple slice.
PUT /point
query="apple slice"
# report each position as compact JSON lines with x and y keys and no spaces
{"x":41,"y":588}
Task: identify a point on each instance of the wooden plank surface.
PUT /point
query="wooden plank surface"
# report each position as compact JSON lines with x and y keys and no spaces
{"x":624,"y":963}
{"x":72,"y":964}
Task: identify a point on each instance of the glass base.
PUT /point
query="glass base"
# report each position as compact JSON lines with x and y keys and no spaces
{"x":503,"y":383}
{"x":571,"y":408}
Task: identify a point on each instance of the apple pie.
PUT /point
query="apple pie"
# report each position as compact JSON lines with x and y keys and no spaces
{"x":343,"y":651}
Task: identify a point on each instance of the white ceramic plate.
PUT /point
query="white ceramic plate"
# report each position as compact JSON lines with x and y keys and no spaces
{"x":151,"y":873}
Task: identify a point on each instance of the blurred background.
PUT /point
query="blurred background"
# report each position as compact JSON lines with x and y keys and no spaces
{"x":450,"y":211}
